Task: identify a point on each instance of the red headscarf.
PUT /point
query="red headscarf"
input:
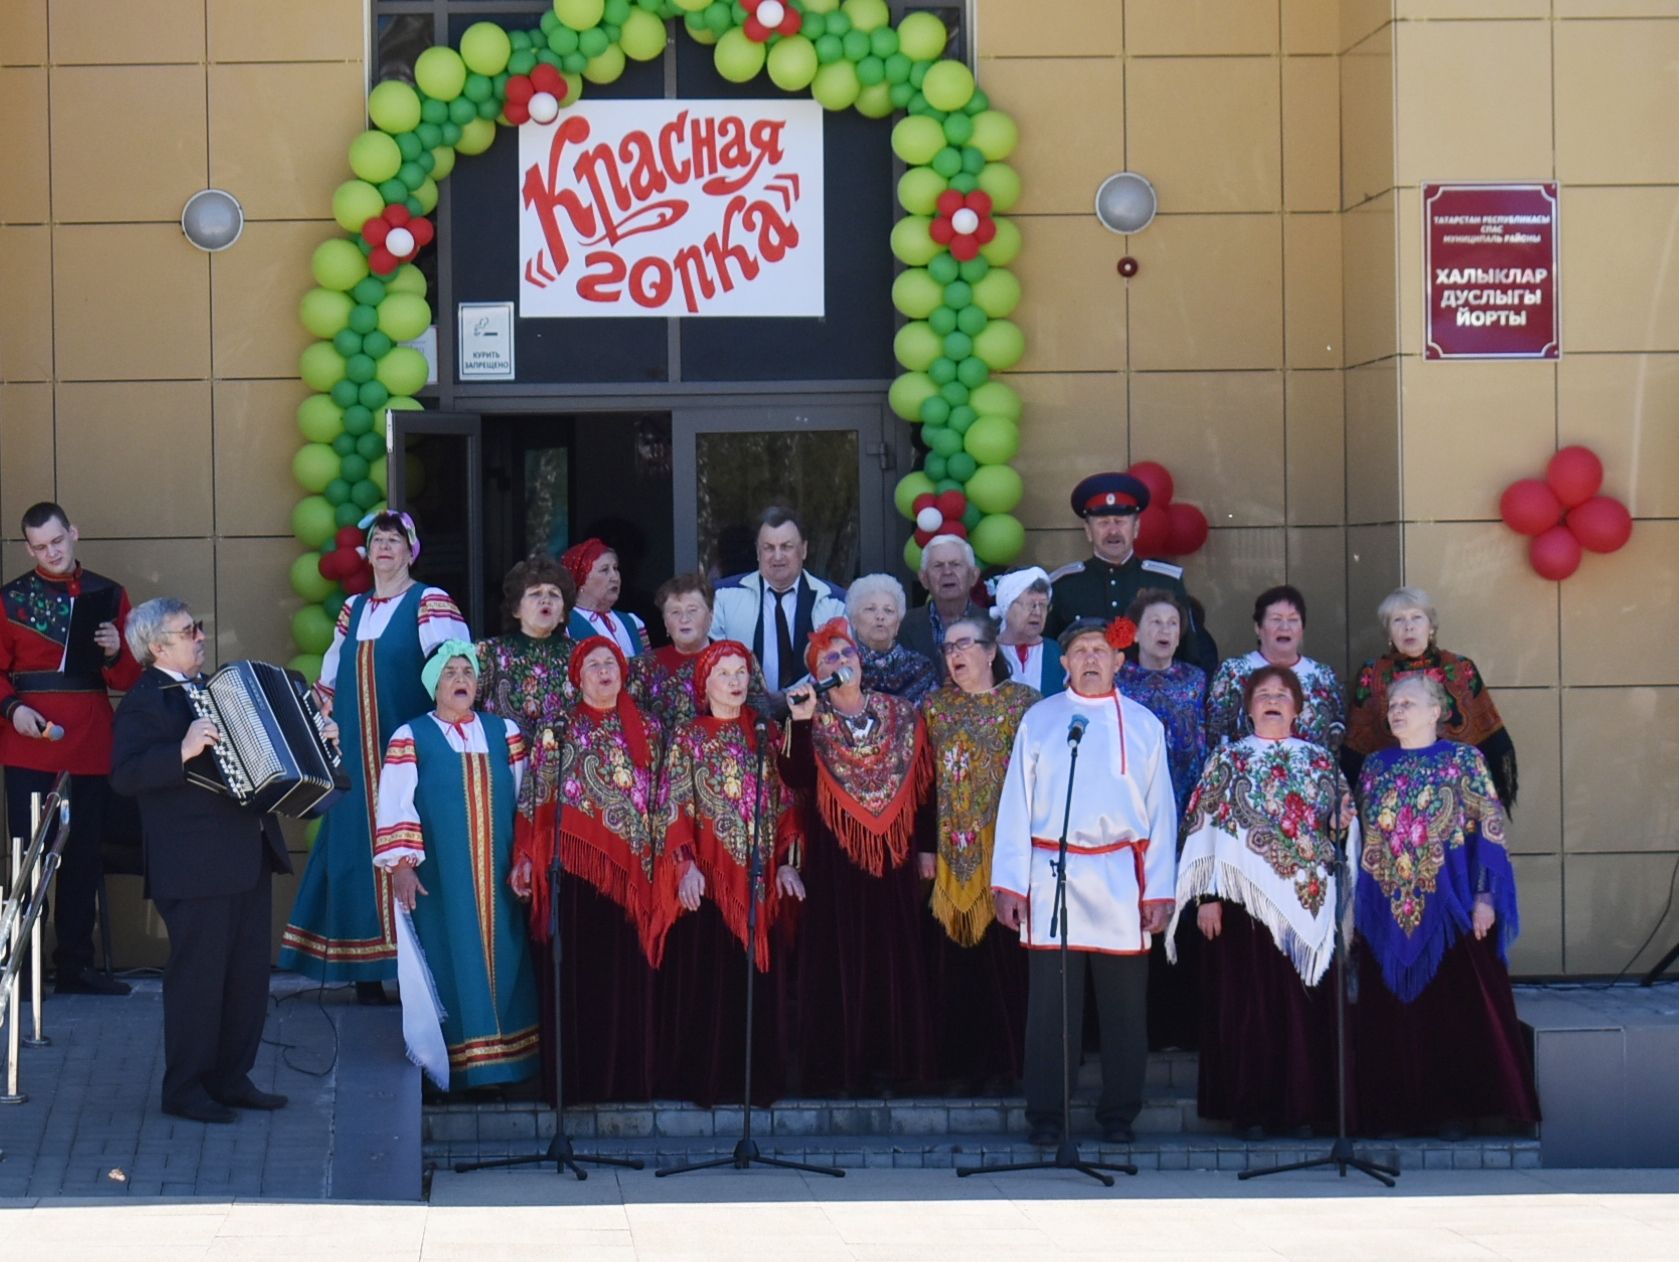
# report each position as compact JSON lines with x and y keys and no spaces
{"x":580,"y":558}
{"x":709,"y":657}
{"x":824,"y":637}
{"x":630,"y":717}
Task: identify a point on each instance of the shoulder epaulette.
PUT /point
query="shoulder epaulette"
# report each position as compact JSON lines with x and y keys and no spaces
{"x":1163,"y":567}
{"x":1073,"y":567}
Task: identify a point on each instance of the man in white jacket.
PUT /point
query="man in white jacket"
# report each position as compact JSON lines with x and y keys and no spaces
{"x":1121,"y":869}
{"x":776,"y":608}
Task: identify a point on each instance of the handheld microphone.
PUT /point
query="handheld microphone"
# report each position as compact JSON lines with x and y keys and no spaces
{"x":817,"y":687}
{"x":1075,"y":730}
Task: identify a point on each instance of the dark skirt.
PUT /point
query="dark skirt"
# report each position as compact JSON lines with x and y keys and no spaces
{"x":1454,"y":1054}
{"x":607,"y":993}
{"x":1267,"y":1038}
{"x":979,"y":1003}
{"x":700,"y":1007}
{"x":858,"y":1017}
{"x":1174,"y":991}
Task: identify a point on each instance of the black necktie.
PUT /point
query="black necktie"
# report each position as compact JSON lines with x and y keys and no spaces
{"x":783,"y":643}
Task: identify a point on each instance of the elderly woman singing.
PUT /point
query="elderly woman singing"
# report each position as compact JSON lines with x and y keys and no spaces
{"x":874,"y":604}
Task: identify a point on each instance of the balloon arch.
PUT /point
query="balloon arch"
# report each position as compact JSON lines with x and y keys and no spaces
{"x":955,"y":290}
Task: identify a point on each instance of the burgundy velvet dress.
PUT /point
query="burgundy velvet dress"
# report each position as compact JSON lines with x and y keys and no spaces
{"x":857,"y":1015}
{"x":711,"y":774}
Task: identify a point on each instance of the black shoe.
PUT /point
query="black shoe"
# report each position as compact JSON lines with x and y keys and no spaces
{"x":248,"y":1097}
{"x":1044,"y":1135}
{"x":371,"y":993}
{"x":87,"y":981}
{"x":1119,"y":1133}
{"x":1251,"y":1134}
{"x":202,"y":1111}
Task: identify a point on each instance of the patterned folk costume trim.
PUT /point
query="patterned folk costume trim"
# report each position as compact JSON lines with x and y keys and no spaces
{"x":868,"y":788}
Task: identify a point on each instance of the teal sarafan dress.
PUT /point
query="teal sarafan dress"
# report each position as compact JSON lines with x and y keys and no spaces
{"x":342,"y":928}
{"x":447,"y":799}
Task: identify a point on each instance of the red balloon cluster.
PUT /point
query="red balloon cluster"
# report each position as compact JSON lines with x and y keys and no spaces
{"x":396,"y":236}
{"x":1166,"y":529}
{"x":347,"y":564}
{"x":940,"y":514}
{"x":1563,"y":513}
{"x":523,"y":89}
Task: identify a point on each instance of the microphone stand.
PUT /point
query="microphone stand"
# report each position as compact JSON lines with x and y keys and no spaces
{"x":559,"y":1150}
{"x":746,"y":1154}
{"x":1067,"y":1152}
{"x":1341,"y":1154}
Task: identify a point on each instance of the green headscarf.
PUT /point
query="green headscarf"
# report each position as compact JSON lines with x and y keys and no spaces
{"x":432,"y":675}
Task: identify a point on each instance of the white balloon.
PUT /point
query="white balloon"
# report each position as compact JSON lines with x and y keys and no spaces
{"x":964,"y":221}
{"x":929,"y":518}
{"x":400,"y":242}
{"x":771,"y":13}
{"x":543,"y":107}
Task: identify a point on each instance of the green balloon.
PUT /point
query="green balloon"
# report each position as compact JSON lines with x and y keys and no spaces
{"x":964,"y":183}
{"x":643,"y":36}
{"x":346,"y":342}
{"x":343,"y":393}
{"x":942,"y":371}
{"x":919,"y":188}
{"x":338,"y":264}
{"x":900,"y":94}
{"x":942,"y":439}
{"x":916,"y":140}
{"x":997,"y":293}
{"x":883,"y":41}
{"x":954,"y":392}
{"x":368,"y":492}
{"x":911,"y":244}
{"x":324,"y":312}
{"x":462,"y":110}
{"x":998,"y":539}
{"x":311,"y":627}
{"x":1003,"y":183}
{"x":314,"y":465}
{"x":368,"y":291}
{"x":871,"y":73}
{"x":737,"y":57}
{"x":593,"y":43}
{"x":347,"y":513}
{"x":875,"y":101}
{"x":443,"y":164}
{"x":479,"y":88}
{"x":374,"y":157}
{"x":916,"y":346}
{"x":359,"y":368}
{"x":973,"y":372}
{"x":943,"y":319}
{"x":408,"y":280}
{"x":912,"y":549}
{"x":947,"y":162}
{"x":973,"y":270}
{"x":996,"y":398}
{"x":935,"y":411}
{"x":922,"y":37}
{"x":376,"y":344}
{"x":995,"y":488}
{"x":970,"y":320}
{"x":958,"y":345}
{"x":311,"y":521}
{"x":992,"y":440}
{"x":897,"y":68}
{"x":372,"y":394}
{"x":363,"y":320}
{"x":994,"y":134}
{"x":358,"y":420}
{"x":866,"y":15}
{"x":394,"y":107}
{"x":1001,"y":345}
{"x":911,"y":487}
{"x":961,"y":466}
{"x":403,"y":370}
{"x":337,"y":492}
{"x":485,"y":48}
{"x":580,"y":15}
{"x":947,"y":483}
{"x":440,"y":72}
{"x":376,"y":474}
{"x":958,"y":129}
{"x":907,"y":394}
{"x":915,"y":293}
{"x":353,"y":468}
{"x":973,"y":161}
{"x":307,"y":582}
{"x":476,"y":136}
{"x":836,"y":86}
{"x":933,"y":466}
{"x":1003,"y":248}
{"x":319,"y":419}
{"x":402,"y":317}
{"x":370,"y":446}
{"x":793,"y":63}
{"x":343,"y":445}
{"x":944,"y":268}
{"x":958,"y":294}
{"x":411,"y":176}
{"x":855,"y":45}
{"x":354,"y":202}
{"x":320,"y":365}
{"x":961,"y":417}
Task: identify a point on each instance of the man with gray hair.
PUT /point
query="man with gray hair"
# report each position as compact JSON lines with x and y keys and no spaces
{"x":209,"y":865}
{"x":948,"y":573}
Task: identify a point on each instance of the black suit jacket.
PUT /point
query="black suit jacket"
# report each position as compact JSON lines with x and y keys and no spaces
{"x":198,"y":843}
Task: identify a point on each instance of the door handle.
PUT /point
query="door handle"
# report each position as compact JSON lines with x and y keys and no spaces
{"x":882,"y":451}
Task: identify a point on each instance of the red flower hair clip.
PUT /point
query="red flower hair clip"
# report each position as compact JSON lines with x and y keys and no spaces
{"x":1121,"y":633}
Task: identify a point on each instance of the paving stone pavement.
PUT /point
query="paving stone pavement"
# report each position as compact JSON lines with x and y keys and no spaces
{"x":92,"y":1126}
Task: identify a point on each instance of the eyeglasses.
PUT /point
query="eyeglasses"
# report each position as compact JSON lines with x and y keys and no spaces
{"x":836,"y":655}
{"x":959,"y":646}
{"x":192,"y":629}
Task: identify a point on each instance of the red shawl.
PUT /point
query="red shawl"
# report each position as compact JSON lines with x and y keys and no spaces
{"x":868,"y":789}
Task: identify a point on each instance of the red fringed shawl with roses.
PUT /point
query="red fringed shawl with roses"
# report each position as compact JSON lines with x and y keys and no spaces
{"x":869,"y":784}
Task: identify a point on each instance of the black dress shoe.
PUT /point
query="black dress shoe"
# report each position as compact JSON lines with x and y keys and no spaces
{"x":248,"y":1097}
{"x":1044,"y":1135}
{"x":1119,"y":1133}
{"x":87,"y":981}
{"x":201,"y":1111}
{"x":371,"y":993}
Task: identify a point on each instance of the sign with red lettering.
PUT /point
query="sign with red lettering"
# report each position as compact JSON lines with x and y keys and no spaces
{"x":672,"y":208}
{"x":1490,"y":271}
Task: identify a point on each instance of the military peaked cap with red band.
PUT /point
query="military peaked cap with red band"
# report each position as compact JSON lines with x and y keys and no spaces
{"x":1109,"y":494}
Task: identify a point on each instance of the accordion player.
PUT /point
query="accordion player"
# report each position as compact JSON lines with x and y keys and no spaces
{"x":273,"y":755}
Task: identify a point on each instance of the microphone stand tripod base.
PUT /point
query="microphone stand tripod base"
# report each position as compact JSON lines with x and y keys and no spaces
{"x":1341,"y":1156}
{"x":1066,"y":1158}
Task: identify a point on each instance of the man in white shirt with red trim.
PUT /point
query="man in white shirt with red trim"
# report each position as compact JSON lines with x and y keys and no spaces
{"x":1121,"y":873}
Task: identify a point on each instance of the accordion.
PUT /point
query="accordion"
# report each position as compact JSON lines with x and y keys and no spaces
{"x":271,"y":756}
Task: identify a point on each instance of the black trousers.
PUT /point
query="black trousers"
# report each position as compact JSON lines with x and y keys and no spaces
{"x":74,"y":898}
{"x":1121,"y":984}
{"x":215,"y":991}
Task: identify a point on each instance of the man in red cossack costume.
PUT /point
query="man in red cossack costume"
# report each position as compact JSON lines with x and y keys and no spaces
{"x":61,"y":653}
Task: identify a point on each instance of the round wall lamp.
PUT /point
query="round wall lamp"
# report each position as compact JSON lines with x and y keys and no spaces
{"x":212,"y":219}
{"x":1126,"y":202}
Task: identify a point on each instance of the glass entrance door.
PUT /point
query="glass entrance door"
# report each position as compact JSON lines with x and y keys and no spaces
{"x":435,"y":470}
{"x":829,"y":461}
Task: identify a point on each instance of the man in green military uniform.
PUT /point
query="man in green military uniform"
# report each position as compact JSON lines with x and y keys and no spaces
{"x":1104,"y":584}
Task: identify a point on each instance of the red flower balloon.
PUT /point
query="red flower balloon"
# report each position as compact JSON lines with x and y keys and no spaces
{"x":1186,"y":529}
{"x":1601,"y":524}
{"x":1575,"y":474}
{"x":396,"y":236}
{"x":770,"y":17}
{"x":964,"y":222}
{"x":1158,"y":480}
{"x":1530,"y":506}
{"x":1555,"y":554}
{"x":523,"y":92}
{"x":1154,"y":529}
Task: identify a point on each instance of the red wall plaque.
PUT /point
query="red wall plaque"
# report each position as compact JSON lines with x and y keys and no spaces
{"x":1490,"y":271}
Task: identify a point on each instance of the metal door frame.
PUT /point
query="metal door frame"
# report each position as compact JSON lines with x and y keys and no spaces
{"x":469,"y":427}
